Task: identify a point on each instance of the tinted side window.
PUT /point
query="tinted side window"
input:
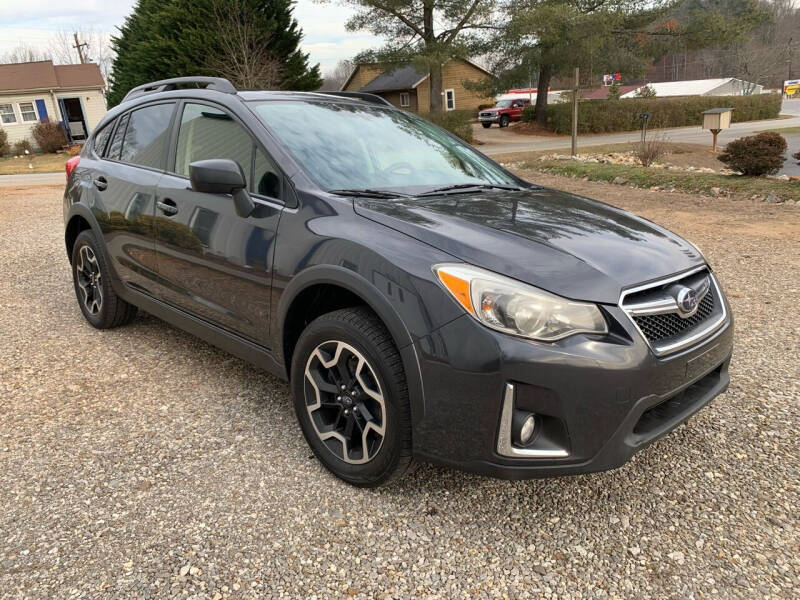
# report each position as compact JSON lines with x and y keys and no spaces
{"x":207,"y":132}
{"x":116,"y":142}
{"x":146,"y":137}
{"x":101,"y":138}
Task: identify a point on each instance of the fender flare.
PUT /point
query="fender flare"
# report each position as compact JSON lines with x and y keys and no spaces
{"x":83,"y":211}
{"x":360,"y":286}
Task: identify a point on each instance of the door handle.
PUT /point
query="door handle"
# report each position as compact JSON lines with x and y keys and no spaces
{"x":100,"y":183}
{"x":167,"y":206}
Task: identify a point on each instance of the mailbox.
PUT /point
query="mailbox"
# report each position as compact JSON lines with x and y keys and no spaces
{"x":715,"y":120}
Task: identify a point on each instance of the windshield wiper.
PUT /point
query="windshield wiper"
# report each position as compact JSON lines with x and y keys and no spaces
{"x":472,"y":186}
{"x":368,"y":193}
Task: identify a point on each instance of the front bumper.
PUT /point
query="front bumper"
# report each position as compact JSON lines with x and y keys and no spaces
{"x":603,"y":398}
{"x":493,"y":118}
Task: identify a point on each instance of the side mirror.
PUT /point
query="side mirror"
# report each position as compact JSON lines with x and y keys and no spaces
{"x":222,"y":176}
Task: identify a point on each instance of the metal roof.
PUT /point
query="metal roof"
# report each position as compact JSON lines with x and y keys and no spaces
{"x":714,"y":111}
{"x":690,"y":87}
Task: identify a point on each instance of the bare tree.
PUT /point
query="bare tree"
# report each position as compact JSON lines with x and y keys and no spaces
{"x":335,"y":78}
{"x":24,"y":53}
{"x":98,"y":49}
{"x":246,"y":59}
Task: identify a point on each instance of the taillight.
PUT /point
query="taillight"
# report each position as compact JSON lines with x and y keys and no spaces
{"x":71,"y":164}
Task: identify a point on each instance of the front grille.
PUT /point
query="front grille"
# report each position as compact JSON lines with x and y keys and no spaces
{"x":654,"y":310}
{"x":486,"y":114}
{"x":657,"y":328}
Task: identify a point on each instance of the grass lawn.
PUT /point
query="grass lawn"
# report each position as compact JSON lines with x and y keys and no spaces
{"x":42,"y":163}
{"x":685,"y":181}
{"x":682,"y":155}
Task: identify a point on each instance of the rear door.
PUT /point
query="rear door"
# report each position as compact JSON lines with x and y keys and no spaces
{"x":211,"y":262}
{"x":124,"y":185}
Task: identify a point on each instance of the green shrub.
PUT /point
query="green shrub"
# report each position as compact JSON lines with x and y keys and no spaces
{"x":4,"y":148}
{"x":49,"y":136}
{"x":796,"y":156}
{"x":21,"y":147}
{"x":458,"y":122}
{"x":602,"y":116}
{"x":760,"y":154}
{"x":529,"y":113}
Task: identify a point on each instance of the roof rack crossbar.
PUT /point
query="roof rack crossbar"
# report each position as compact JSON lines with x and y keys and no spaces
{"x":211,"y":83}
{"x":366,"y":97}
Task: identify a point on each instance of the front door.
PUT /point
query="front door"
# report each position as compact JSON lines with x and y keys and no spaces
{"x":211,"y":262}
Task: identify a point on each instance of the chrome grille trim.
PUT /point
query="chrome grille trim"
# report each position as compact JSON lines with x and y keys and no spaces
{"x":661,"y":307}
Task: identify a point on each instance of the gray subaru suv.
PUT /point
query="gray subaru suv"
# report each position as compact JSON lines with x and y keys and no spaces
{"x":423,"y":301}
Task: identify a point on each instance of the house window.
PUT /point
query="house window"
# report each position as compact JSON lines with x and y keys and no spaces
{"x":7,"y":113}
{"x":405,"y":99}
{"x":450,"y":99}
{"x":27,"y":111}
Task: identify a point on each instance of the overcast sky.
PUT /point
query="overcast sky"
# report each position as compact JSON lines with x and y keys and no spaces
{"x":34,"y":22}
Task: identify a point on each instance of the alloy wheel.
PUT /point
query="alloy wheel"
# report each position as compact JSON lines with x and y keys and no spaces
{"x":90,"y":280}
{"x":345,"y":402}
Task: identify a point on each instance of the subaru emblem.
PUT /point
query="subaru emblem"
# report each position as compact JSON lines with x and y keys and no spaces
{"x":687,"y":301}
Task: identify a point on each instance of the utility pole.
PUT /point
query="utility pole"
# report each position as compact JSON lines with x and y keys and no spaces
{"x":79,"y":47}
{"x":575,"y":112}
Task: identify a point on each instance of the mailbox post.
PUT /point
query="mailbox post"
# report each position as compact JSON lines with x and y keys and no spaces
{"x":715,"y":120}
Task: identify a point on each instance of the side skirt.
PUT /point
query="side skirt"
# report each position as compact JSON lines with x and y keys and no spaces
{"x":208,"y":332}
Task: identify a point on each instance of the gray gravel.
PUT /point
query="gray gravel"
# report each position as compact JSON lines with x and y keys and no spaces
{"x":141,"y":462}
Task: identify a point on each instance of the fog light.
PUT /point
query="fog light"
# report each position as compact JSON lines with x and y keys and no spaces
{"x":524,"y":427}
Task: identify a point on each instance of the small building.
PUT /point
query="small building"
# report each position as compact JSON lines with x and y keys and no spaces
{"x":408,"y":88}
{"x":724,"y":86}
{"x":37,"y":91}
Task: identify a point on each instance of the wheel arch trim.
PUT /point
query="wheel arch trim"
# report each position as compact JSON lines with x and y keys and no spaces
{"x":358,"y":285}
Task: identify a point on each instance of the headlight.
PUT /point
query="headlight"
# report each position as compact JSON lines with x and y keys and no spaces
{"x":513,"y":307}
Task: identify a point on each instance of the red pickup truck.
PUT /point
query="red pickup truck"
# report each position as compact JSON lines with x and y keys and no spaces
{"x":503,"y":112}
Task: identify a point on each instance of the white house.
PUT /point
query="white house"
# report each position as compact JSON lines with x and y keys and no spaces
{"x":724,"y":86}
{"x":35,"y":91}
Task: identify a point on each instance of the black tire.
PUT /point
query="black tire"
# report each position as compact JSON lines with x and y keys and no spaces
{"x":504,"y":121}
{"x":358,"y":329}
{"x":104,"y":309}
{"x":486,"y":125}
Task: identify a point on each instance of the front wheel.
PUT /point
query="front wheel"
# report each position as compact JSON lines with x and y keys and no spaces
{"x":351,"y":397}
{"x":486,"y":125}
{"x":504,"y":121}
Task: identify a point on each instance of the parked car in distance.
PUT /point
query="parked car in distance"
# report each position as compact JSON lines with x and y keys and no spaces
{"x":423,"y":301}
{"x":503,"y":113}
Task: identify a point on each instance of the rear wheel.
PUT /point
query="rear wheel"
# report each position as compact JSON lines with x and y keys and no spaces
{"x":351,"y":397}
{"x":486,"y":125}
{"x":504,"y":120}
{"x":98,"y":302}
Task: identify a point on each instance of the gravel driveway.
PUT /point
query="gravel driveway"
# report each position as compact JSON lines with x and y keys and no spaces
{"x":141,"y":462}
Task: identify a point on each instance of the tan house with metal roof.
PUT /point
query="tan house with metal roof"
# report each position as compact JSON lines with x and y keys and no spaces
{"x":408,"y":88}
{"x":36,"y":91}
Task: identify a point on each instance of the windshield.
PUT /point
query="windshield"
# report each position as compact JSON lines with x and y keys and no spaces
{"x":349,"y":146}
{"x":503,"y":104}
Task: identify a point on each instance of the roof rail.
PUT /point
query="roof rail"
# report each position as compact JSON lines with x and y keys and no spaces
{"x":373,"y":98}
{"x":211,"y":83}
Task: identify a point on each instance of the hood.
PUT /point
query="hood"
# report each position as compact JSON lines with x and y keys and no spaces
{"x":569,"y":245}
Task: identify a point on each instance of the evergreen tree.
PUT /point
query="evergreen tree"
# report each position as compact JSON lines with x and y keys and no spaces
{"x":178,"y":38}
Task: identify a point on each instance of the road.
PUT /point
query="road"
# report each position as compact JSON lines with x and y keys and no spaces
{"x":140,"y":462}
{"x":498,"y":141}
{"x":32,"y":179}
